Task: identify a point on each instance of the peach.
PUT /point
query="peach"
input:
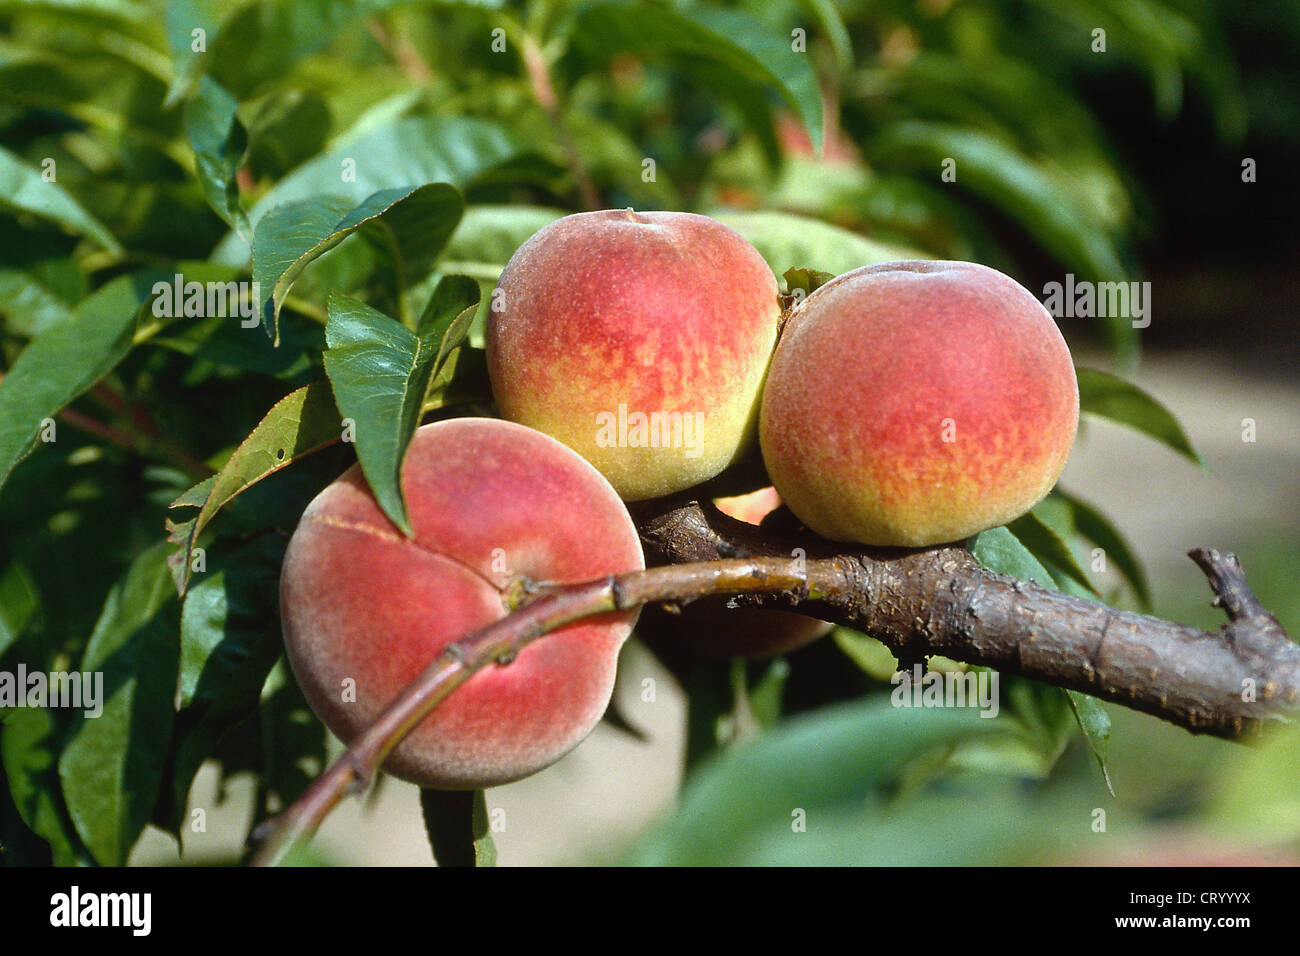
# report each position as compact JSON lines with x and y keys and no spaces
{"x":366,"y":609}
{"x":640,"y":340}
{"x":709,"y":628}
{"x":916,"y":403}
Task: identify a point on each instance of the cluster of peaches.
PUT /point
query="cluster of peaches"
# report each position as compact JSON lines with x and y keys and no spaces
{"x":637,"y":355}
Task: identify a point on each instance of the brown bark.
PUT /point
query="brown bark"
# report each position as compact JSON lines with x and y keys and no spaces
{"x":941,"y":601}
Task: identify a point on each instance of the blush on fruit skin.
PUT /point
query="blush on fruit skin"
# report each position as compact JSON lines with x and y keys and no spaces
{"x":601,"y":316}
{"x":489,"y":501}
{"x":916,"y":403}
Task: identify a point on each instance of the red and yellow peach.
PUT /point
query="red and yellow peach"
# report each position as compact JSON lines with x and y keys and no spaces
{"x":366,"y":609}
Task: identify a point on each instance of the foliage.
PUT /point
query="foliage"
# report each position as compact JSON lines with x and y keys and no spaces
{"x":360,"y":171}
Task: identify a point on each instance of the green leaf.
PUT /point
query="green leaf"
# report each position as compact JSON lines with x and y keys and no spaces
{"x":747,"y":47}
{"x":818,"y":763}
{"x":112,"y":765}
{"x":788,"y":241}
{"x":765,"y":697}
{"x":228,"y":345}
{"x":79,"y":10}
{"x":1095,"y":724}
{"x":289,"y":127}
{"x":413,"y":150}
{"x":230,"y":640}
{"x":1047,"y":545}
{"x":999,"y":550}
{"x":380,"y":371}
{"x":830,"y":23}
{"x":409,"y":226}
{"x":489,"y":235}
{"x":1097,"y":528}
{"x":285,"y":242}
{"x":1109,"y":396}
{"x":18,"y":603}
{"x":302,"y":422}
{"x":457,"y":824}
{"x":219,"y":140}
{"x":29,"y":748}
{"x":1012,"y":181}
{"x":67,"y":360}
{"x":872,"y":657}
{"x":446,"y":320}
{"x":805,"y":280}
{"x":31,"y":306}
{"x":24,"y":189}
{"x":180,"y":20}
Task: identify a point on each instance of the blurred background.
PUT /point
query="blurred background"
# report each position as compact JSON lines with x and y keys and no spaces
{"x":1112,"y":140}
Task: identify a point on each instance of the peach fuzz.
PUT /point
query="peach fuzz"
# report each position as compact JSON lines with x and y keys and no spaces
{"x":916,"y":403}
{"x":640,"y":340}
{"x":489,"y":502}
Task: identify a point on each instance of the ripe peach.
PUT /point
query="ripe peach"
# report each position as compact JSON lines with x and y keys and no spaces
{"x":915,"y":403}
{"x":366,"y":609}
{"x":640,"y":340}
{"x":711,"y":629}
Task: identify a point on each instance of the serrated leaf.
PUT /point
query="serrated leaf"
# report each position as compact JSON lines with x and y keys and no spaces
{"x":285,"y":242}
{"x":1097,"y":528}
{"x":446,"y":320}
{"x":24,"y":188}
{"x":456,"y":822}
{"x":1095,"y":724}
{"x":410,"y":225}
{"x":1109,"y":396}
{"x":1044,"y":543}
{"x":219,"y":140}
{"x":999,"y":550}
{"x":380,"y":371}
{"x":302,"y":422}
{"x":112,"y":765}
{"x":734,"y":39}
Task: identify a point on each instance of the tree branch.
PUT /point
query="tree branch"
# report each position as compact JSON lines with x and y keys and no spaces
{"x":918,"y":602}
{"x":1227,"y":682}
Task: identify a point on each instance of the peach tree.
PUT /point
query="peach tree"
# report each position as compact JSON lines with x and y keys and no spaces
{"x":321,"y":414}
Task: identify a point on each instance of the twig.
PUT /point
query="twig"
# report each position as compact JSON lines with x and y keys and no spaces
{"x":539,"y":78}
